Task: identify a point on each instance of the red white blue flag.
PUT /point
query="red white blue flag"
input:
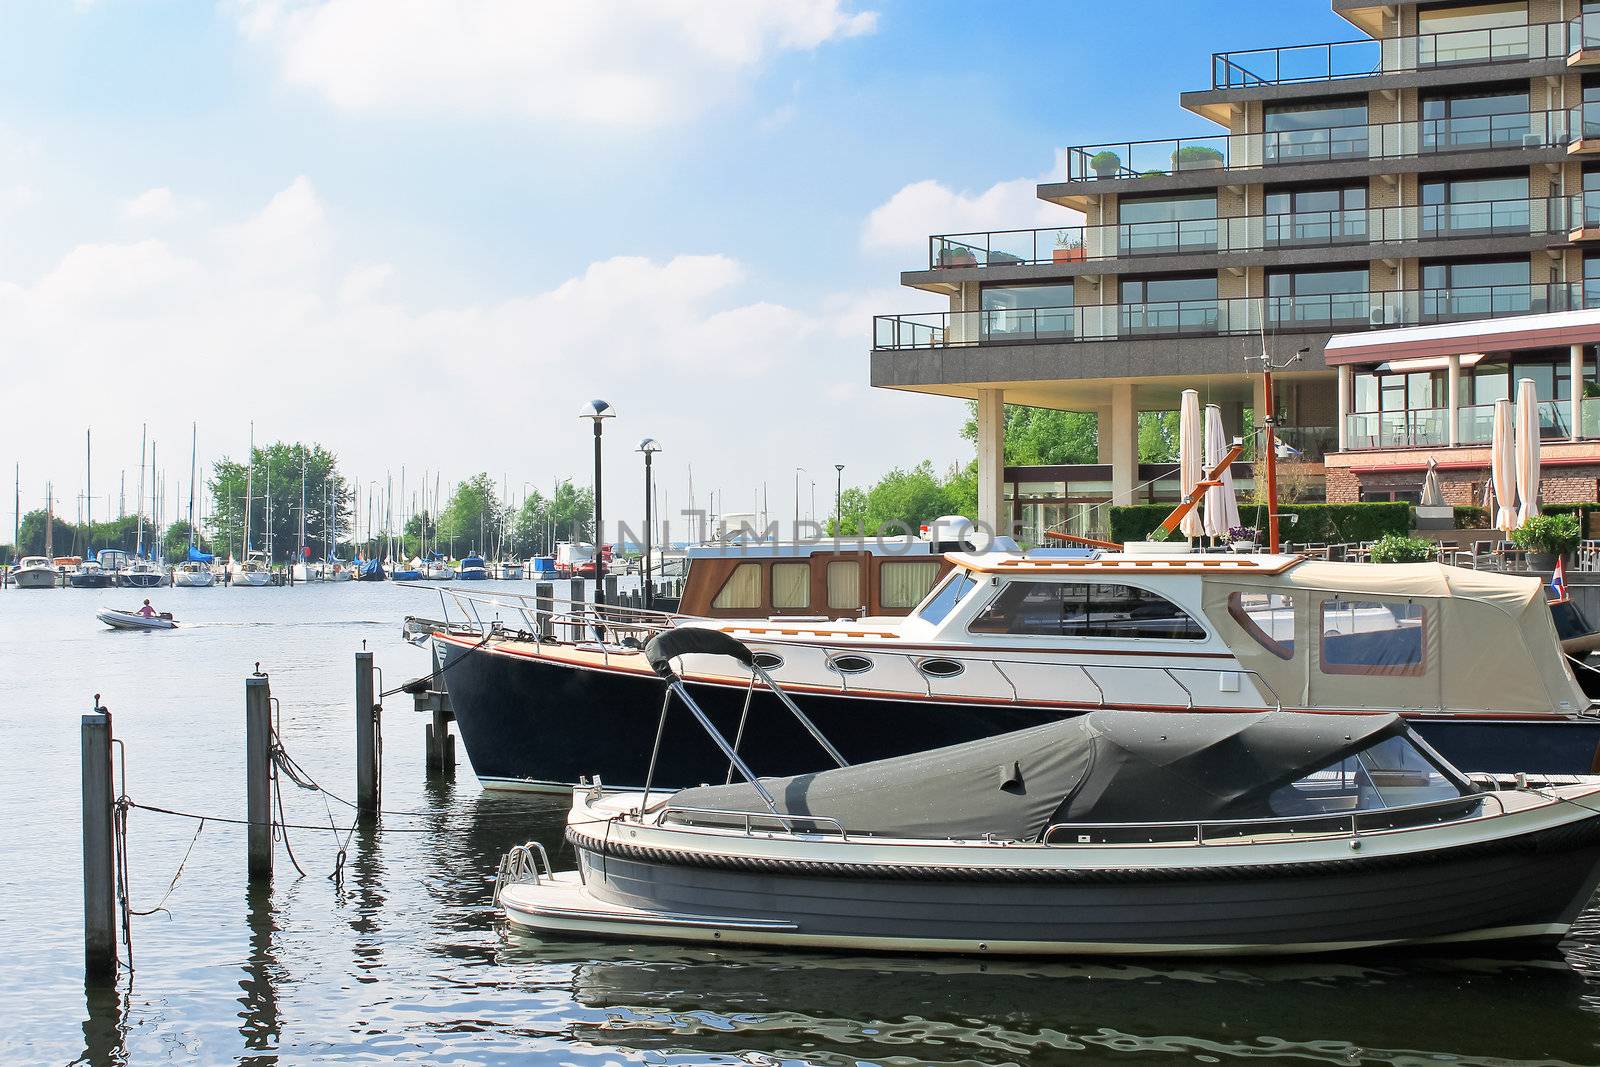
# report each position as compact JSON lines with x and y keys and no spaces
{"x":1558,"y":582}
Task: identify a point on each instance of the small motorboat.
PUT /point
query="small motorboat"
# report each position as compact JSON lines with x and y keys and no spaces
{"x":34,"y":572}
{"x":407,"y":572}
{"x":473,"y":568}
{"x":89,"y":575}
{"x":1116,"y":832}
{"x":132,"y":620}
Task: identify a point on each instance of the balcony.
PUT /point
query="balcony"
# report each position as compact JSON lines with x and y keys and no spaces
{"x":1382,"y":140}
{"x":1336,"y":312}
{"x":1254,"y":233}
{"x":1337,"y":60}
{"x":1418,"y":428}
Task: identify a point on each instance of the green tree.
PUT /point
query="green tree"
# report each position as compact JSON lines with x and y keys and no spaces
{"x":473,"y":515}
{"x":274,"y":477}
{"x":566,"y":515}
{"x":420,"y":532}
{"x":176,"y":542}
{"x":1158,"y":437}
{"x":1043,"y":435}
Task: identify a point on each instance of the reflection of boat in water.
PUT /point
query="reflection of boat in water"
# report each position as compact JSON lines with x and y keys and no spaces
{"x":1118,"y":832}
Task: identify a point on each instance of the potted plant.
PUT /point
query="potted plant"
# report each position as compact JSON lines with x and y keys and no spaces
{"x":956,"y":256}
{"x":1106,"y":164}
{"x":1069,"y":248}
{"x":1243,"y":538}
{"x":1546,"y":538}
{"x":1196,"y":157}
{"x":1398,"y":548}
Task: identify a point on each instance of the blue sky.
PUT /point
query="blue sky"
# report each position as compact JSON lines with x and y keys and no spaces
{"x":425,"y":233}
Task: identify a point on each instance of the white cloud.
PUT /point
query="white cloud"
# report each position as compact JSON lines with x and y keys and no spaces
{"x":156,"y":205}
{"x":612,"y":62}
{"x":904,"y":222}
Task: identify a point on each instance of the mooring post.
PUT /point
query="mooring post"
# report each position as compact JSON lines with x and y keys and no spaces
{"x":366,"y":739}
{"x":542,"y":607}
{"x":99,"y":879}
{"x":258,"y":775}
{"x":611,"y":589}
{"x":575,"y":603}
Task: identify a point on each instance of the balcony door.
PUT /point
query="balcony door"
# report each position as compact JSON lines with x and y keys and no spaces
{"x":1476,"y":207}
{"x":1018,"y":313}
{"x":1150,"y":225}
{"x":1472,"y":33}
{"x":1316,"y":132}
{"x":1173,"y":304}
{"x":1492,"y":118}
{"x":1316,"y":216}
{"x":1318,"y":298}
{"x":1480,"y":289}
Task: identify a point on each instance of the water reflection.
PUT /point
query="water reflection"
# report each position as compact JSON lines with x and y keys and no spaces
{"x":105,"y":1026}
{"x":258,"y":1021}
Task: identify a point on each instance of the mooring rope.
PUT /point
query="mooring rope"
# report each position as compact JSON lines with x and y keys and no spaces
{"x":401,"y":688}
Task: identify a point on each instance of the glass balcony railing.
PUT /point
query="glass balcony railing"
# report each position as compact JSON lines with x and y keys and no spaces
{"x":1392,"y":55}
{"x":1427,"y":222}
{"x":1306,"y":312}
{"x":1422,"y":427}
{"x":1583,"y":33}
{"x":1381,"y":140}
{"x":1589,"y":415}
{"x":1307,"y":442}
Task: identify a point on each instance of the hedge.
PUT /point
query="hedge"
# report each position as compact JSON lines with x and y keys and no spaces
{"x":1471,"y":517}
{"x":1319,"y":523}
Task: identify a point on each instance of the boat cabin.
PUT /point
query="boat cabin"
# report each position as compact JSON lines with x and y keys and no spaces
{"x":847,"y":579}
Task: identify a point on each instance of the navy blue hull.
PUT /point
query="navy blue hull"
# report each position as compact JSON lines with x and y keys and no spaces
{"x":527,"y":720}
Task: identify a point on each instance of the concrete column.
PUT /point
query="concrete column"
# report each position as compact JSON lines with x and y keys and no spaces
{"x":1339,"y":419}
{"x":1453,"y":399}
{"x":1124,"y":444}
{"x":1103,"y":433}
{"x":1575,"y":353}
{"x":992,"y":461}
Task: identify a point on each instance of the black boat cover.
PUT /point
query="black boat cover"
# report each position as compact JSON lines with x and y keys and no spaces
{"x":1102,"y":767}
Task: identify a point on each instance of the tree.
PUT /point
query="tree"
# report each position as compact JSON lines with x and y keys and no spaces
{"x":274,"y":476}
{"x":419,"y":533}
{"x":176,"y":543}
{"x":902,"y":500}
{"x":473,"y":514}
{"x":1043,"y":435}
{"x":1158,"y":437}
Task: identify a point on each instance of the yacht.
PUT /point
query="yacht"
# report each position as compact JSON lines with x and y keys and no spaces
{"x":407,"y":572}
{"x":89,"y":574}
{"x":252,"y":571}
{"x":1113,"y":833}
{"x":437,"y":569}
{"x":508,"y":570}
{"x":1008,"y":640}
{"x":143,"y":574}
{"x":472,"y":568}
{"x":34,"y":572}
{"x":192,"y":574}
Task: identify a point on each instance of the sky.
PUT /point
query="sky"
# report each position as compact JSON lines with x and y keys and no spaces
{"x":425,"y":234}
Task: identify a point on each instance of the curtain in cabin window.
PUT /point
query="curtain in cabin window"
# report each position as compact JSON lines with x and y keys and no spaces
{"x":791,"y":586}
{"x":742,"y":589}
{"x":844,"y":585}
{"x":902,"y":583}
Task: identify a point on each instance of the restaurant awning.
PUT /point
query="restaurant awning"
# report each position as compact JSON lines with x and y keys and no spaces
{"x":1554,"y":330}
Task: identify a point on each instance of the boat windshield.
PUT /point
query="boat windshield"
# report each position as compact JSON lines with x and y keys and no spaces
{"x":1391,"y":774}
{"x":947,"y":596}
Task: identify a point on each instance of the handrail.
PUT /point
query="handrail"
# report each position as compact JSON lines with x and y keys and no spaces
{"x":749,"y":816}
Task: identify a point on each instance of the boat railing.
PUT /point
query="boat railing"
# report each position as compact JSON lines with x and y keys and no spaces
{"x":525,"y":863}
{"x":1206,"y":832}
{"x":789,"y":823}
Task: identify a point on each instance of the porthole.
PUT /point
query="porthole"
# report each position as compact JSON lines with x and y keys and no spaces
{"x":850,"y":664}
{"x":768,"y":661}
{"x":940,"y":668}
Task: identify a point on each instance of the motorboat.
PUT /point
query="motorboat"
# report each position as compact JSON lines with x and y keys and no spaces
{"x":142,"y":574}
{"x":34,"y":572}
{"x":335,"y":570}
{"x":192,"y":574}
{"x":1008,"y":640}
{"x":113,"y":561}
{"x":472,"y":568}
{"x":251,"y":571}
{"x":118,"y":619}
{"x":508,"y":570}
{"x":89,"y":575}
{"x":437,"y":569}
{"x":1113,"y":833}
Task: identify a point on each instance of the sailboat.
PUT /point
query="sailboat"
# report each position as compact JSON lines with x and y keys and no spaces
{"x":195,"y":571}
{"x":89,"y":574}
{"x":253,"y":569}
{"x":141,"y":573}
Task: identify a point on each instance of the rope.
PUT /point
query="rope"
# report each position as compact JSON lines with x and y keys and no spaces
{"x":402,"y":687}
{"x":172,"y":885}
{"x":131,"y":803}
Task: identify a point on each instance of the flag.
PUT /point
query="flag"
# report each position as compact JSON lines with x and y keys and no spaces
{"x":1558,"y":581}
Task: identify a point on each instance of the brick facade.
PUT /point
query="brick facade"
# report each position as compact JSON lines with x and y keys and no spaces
{"x":1560,"y":485}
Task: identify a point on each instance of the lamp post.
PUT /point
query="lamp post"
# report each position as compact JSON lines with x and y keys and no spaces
{"x":597,"y":411}
{"x":795,"y":532}
{"x":649,"y":446}
{"x":838,"y":496}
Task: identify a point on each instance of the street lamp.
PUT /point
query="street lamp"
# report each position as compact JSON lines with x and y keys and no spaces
{"x":597,"y":411}
{"x":649,"y":446}
{"x":795,"y":533}
{"x":838,"y":495}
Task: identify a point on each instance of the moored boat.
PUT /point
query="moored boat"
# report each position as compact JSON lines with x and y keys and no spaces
{"x":34,"y":572}
{"x":472,"y":568}
{"x":142,"y":574}
{"x":89,"y":574}
{"x":192,"y":574}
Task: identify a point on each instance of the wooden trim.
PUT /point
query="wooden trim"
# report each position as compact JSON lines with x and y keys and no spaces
{"x":1253,"y":629}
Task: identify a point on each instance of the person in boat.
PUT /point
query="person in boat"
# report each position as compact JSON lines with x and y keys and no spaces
{"x":147,"y":611}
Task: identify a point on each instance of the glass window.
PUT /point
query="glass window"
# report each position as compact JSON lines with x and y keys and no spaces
{"x":1167,"y":208}
{"x":1474,"y":190}
{"x":791,"y":585}
{"x":1267,"y":617}
{"x":1472,"y":17}
{"x":1008,"y":297}
{"x":1154,"y":290}
{"x":947,"y":597}
{"x":1316,"y":115}
{"x":1366,"y":392}
{"x":1372,"y":637}
{"x":1026,"y":312}
{"x":1475,"y":275}
{"x":1393,"y":773}
{"x":844,"y":585}
{"x":902,"y":583}
{"x":1084,"y":609}
{"x":742,"y":589}
{"x":1318,"y":296}
{"x":1471,"y":105}
{"x":1317,"y":282}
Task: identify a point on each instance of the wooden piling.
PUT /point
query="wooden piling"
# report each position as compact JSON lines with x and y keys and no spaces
{"x":543,"y":592}
{"x":574,"y":606}
{"x":366,"y":739}
{"x":99,"y":878}
{"x":258,"y":776}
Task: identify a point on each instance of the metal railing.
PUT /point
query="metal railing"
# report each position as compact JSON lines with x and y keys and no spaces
{"x":750,"y":818}
{"x":1221,"y":317}
{"x":1380,"y":140}
{"x":525,"y":864}
{"x":1337,"y":60}
{"x":1397,"y":429}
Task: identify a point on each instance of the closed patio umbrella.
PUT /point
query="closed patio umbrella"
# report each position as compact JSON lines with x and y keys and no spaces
{"x":1502,"y":469}
{"x":1191,"y":457}
{"x":1527,"y":451}
{"x":1222,"y":505}
{"x":1432,"y":495}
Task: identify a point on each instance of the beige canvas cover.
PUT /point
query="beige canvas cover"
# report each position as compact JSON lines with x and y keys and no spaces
{"x":1488,"y":641}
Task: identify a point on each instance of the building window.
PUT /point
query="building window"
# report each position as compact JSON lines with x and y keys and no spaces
{"x":1316,"y":216}
{"x":1488,"y":119}
{"x":1084,"y":609}
{"x":1465,"y":207}
{"x":1315,"y":132}
{"x":1027,"y":312}
{"x":844,"y":585}
{"x":1268,"y":618}
{"x":742,"y":589}
{"x":902,"y":583}
{"x":1318,"y":296}
{"x":1479,"y":290}
{"x":1403,"y":410}
{"x":1472,"y":33}
{"x":1169,"y":305}
{"x":1372,"y":637}
{"x":791,"y":586}
{"x":1591,"y":281}
{"x":1165,"y":224}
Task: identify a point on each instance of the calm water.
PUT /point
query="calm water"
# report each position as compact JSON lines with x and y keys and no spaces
{"x":405,"y":960}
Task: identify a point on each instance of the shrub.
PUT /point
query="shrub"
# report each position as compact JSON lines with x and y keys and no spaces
{"x":1195,"y":154}
{"x":1318,"y":523}
{"x":1398,"y":548}
{"x":1554,"y":534}
{"x":1471,"y":517}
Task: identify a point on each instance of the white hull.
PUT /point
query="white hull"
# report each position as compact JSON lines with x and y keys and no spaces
{"x":196,"y":579}
{"x":132,"y":620}
{"x":34,"y":577}
{"x":251,"y":577}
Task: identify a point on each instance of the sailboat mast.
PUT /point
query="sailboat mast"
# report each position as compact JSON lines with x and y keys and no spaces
{"x":138,"y":500}
{"x":49,"y":523}
{"x":249,"y":492}
{"x":155,"y":529}
{"x":88,"y":479}
{"x":194,"y":443}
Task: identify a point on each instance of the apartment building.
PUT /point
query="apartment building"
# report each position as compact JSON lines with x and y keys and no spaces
{"x":1441,"y":166}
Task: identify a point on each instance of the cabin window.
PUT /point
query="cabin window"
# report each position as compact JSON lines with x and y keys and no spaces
{"x":1085,"y":609}
{"x":844,"y":584}
{"x":1372,"y":637}
{"x":742,"y":589}
{"x":948,"y":596}
{"x":791,"y":585}
{"x":1268,"y":618}
{"x":902,"y":583}
{"x":1391,"y":774}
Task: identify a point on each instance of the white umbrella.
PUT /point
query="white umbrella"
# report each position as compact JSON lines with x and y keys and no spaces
{"x":1527,"y":450}
{"x":1190,"y":458}
{"x":1502,"y":467}
{"x":1222,"y":506}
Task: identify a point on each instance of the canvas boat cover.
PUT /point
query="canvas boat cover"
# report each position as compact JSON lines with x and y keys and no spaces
{"x":1103,"y":767}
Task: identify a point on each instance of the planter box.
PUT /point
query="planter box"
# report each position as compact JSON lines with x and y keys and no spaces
{"x":1442,"y":518}
{"x":1156,"y":548}
{"x":960,"y":259}
{"x":1068,"y":255}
